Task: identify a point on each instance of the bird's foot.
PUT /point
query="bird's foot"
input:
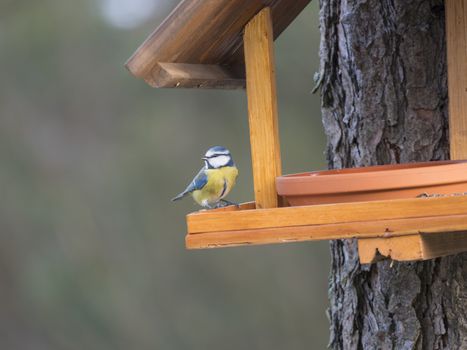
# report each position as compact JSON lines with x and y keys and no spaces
{"x":214,"y":206}
{"x":226,"y":202}
{"x":220,"y":205}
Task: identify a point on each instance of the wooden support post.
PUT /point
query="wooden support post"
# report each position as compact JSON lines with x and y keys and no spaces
{"x":424,"y":246}
{"x":262,"y":108}
{"x":456,"y":38}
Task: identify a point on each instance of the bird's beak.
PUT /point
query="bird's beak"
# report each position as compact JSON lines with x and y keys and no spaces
{"x":204,"y":158}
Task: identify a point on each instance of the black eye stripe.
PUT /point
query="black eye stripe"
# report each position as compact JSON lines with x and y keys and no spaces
{"x":217,"y":155}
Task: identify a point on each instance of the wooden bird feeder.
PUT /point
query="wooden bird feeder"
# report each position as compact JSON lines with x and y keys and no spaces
{"x":228,"y":44}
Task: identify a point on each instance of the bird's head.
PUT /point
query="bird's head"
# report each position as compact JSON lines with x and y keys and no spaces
{"x":217,"y":157}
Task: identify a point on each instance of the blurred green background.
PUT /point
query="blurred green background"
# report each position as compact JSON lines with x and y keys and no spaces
{"x":91,"y":249}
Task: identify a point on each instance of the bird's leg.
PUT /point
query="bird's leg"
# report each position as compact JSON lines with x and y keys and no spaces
{"x":220,"y":205}
{"x":226,"y":202}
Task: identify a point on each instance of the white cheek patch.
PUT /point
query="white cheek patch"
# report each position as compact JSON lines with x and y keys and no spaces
{"x":219,"y":161}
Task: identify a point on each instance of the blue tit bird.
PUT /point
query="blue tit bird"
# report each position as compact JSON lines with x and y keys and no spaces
{"x":214,"y":181}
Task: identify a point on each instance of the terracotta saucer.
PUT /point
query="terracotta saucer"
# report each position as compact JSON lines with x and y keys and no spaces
{"x":381,"y":182}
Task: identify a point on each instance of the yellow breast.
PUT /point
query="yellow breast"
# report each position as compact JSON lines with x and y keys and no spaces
{"x":220,"y":182}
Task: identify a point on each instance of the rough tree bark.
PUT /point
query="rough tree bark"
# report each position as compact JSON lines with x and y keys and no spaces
{"x":384,"y":100}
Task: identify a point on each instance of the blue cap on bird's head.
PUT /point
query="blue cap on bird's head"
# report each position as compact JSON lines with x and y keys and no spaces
{"x":218,"y":157}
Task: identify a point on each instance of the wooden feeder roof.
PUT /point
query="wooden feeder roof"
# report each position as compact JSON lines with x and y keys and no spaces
{"x":200,"y":43}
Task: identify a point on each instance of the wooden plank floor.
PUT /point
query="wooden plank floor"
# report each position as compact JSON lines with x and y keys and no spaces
{"x":366,"y":220}
{"x":313,"y":215}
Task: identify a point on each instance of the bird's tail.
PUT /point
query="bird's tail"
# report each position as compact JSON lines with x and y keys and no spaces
{"x":179,"y":196}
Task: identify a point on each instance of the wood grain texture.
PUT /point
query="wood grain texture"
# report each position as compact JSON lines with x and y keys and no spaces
{"x":412,"y":247}
{"x":456,"y":38}
{"x":406,"y":248}
{"x":199,"y":75}
{"x":262,"y":108}
{"x":362,"y":229}
{"x":214,"y":221}
{"x":206,"y":32}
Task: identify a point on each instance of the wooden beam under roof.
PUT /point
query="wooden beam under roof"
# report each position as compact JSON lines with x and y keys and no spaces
{"x":200,"y":32}
{"x":174,"y":75}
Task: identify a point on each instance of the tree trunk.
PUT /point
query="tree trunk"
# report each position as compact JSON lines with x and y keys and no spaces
{"x":384,"y":100}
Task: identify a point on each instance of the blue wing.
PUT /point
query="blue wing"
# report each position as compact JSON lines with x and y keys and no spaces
{"x":198,"y":183}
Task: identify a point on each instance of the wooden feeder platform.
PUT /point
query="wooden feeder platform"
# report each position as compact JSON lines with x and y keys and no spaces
{"x":421,"y":222}
{"x":228,"y":44}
